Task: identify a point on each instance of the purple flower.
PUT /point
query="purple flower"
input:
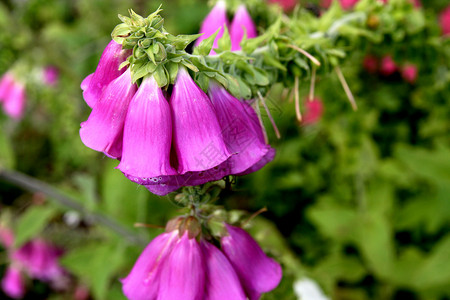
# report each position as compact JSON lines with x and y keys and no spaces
{"x":388,"y":66}
{"x":257,"y":272}
{"x":240,"y":128}
{"x":222,"y":282}
{"x":13,"y":283}
{"x":217,"y":18}
{"x":13,"y":96}
{"x":241,"y":25}
{"x":103,"y":131}
{"x":147,"y":133}
{"x":50,"y":75}
{"x":197,"y":136}
{"x":144,"y":279}
{"x":107,"y":70}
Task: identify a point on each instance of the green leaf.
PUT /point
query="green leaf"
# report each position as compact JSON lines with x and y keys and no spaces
{"x":206,"y":45}
{"x":32,"y":222}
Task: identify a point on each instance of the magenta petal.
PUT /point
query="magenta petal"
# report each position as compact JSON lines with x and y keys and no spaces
{"x":222,"y":283}
{"x":240,"y":135}
{"x":13,"y":284}
{"x":107,"y":70}
{"x":162,"y":189}
{"x":42,"y":262}
{"x":103,"y":131}
{"x":14,"y":104}
{"x":217,"y":18}
{"x":258,"y":273}
{"x":198,"y":140}
{"x":147,"y":133}
{"x":183,"y":276}
{"x":143,"y":281}
{"x":241,"y":25}
{"x":85,"y":83}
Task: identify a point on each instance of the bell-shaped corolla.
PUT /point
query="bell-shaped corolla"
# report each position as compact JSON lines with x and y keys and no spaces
{"x":222,"y":282}
{"x":258,"y":272}
{"x":197,"y":136}
{"x":147,"y":133}
{"x":107,"y":70}
{"x":103,"y":131}
{"x":241,"y":25}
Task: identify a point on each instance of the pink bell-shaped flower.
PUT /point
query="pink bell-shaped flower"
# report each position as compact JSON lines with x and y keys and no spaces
{"x":409,"y":73}
{"x":314,"y":111}
{"x":287,"y":5}
{"x":103,"y":131}
{"x":241,"y":132}
{"x":217,"y":18}
{"x":144,"y":279}
{"x":258,"y":273}
{"x":13,"y":283}
{"x":241,"y":25}
{"x":14,"y":103}
{"x":50,"y":75}
{"x":197,"y":136}
{"x":183,"y":275}
{"x":107,"y":70}
{"x":6,"y":84}
{"x":222,"y":282}
{"x":444,"y":21}
{"x":147,"y":133}
{"x":388,"y":66}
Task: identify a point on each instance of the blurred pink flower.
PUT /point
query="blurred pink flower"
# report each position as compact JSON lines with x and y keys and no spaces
{"x":444,"y":20}
{"x":13,"y":283}
{"x":410,"y":72}
{"x":12,"y":96}
{"x":50,"y":75}
{"x":388,"y":66}
{"x":314,"y":111}
{"x":370,"y":63}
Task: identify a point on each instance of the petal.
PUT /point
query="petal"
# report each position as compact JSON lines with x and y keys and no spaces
{"x":14,"y":104}
{"x":241,"y":25}
{"x":183,"y":276}
{"x":13,"y":283}
{"x":217,"y":18}
{"x":258,"y":272}
{"x":241,"y":136}
{"x":103,"y":131}
{"x":147,"y":133}
{"x":107,"y":70}
{"x":222,"y":283}
{"x":143,"y":281}
{"x":85,"y":83}
{"x":162,"y":189}
{"x":42,"y":261}
{"x":198,"y":140}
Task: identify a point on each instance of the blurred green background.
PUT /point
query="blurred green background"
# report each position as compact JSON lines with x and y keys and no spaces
{"x":359,"y":201}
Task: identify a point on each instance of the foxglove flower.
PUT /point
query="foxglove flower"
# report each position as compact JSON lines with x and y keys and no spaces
{"x":222,"y":282}
{"x":107,"y":70}
{"x":409,"y":73}
{"x":241,"y":131}
{"x":241,"y":25}
{"x":147,"y":133}
{"x":388,"y":66}
{"x":50,"y":75}
{"x":144,"y":279}
{"x":13,"y":283}
{"x":12,"y":96}
{"x":257,"y":272}
{"x":103,"y":131}
{"x":314,"y":111}
{"x":197,"y":136}
{"x":217,"y":18}
{"x":444,"y":20}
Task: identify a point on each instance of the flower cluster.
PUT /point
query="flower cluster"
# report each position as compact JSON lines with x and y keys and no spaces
{"x":12,"y":96}
{"x":386,"y":66}
{"x":37,"y":259}
{"x":168,"y":140}
{"x":180,"y":264}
